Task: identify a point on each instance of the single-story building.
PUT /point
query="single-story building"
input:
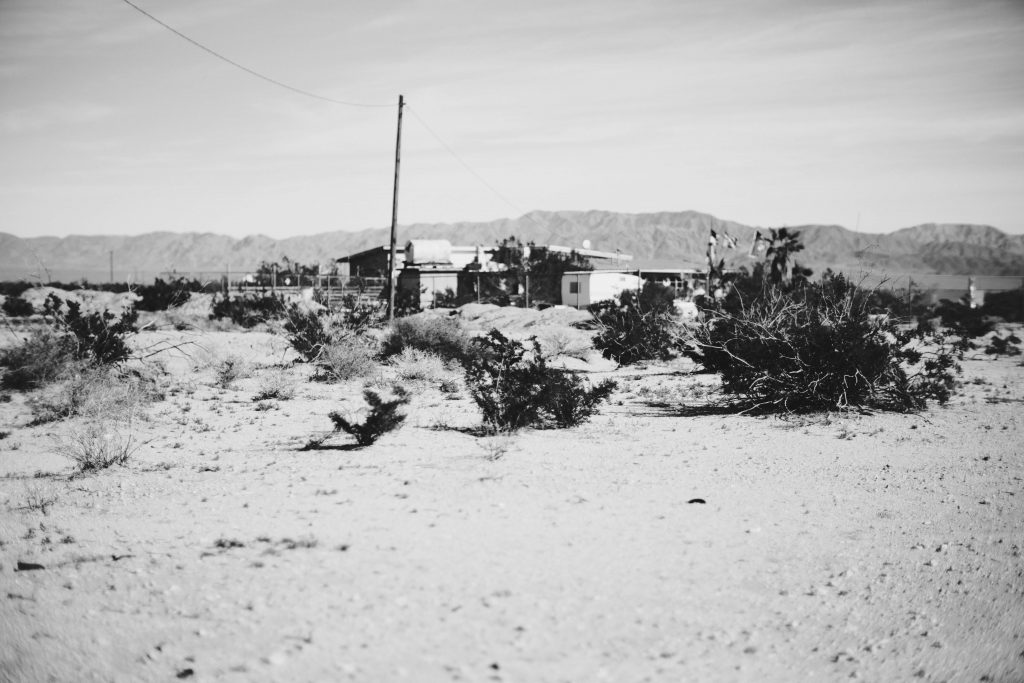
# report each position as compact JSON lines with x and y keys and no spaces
{"x":580,"y":288}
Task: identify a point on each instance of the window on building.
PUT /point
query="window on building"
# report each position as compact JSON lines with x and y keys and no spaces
{"x":574,"y":287}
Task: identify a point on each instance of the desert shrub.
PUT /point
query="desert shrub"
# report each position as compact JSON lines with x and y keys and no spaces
{"x":345,"y":360}
{"x":1007,"y":305}
{"x":95,"y":392}
{"x":15,"y":288}
{"x":277,"y":385}
{"x":414,"y":365}
{"x":961,"y":319}
{"x":16,"y":307}
{"x":819,"y":348}
{"x":1003,"y":346}
{"x":229,"y":370}
{"x":40,"y":358}
{"x":307,"y":331}
{"x":162,"y":294}
{"x":99,"y":337}
{"x":640,"y":326}
{"x":514,"y":387}
{"x":574,"y":344}
{"x":443,"y":336}
{"x":382,"y":418}
{"x":99,"y":444}
{"x":247,"y":311}
{"x":571,"y":401}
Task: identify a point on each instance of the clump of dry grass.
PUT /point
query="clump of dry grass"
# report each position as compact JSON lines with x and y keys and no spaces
{"x":99,"y":444}
{"x":276,"y":384}
{"x":93,"y":391}
{"x":340,"y":362}
{"x":414,"y":365}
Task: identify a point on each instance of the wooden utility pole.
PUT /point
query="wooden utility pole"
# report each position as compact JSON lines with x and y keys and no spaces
{"x":394,"y":216}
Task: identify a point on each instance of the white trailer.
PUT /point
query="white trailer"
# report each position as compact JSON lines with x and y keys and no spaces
{"x":580,"y":288}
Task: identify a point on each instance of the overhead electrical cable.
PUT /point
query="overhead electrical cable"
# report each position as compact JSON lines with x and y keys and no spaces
{"x":246,"y":69}
{"x":465,"y":165}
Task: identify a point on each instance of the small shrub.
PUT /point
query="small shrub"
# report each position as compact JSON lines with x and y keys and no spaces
{"x":514,"y":387}
{"x":818,"y":347}
{"x":229,"y":370}
{"x":1007,"y":305}
{"x":99,"y":337}
{"x":413,"y":365}
{"x":43,"y":356}
{"x":382,"y":418}
{"x":277,"y":385}
{"x":347,"y":360}
{"x":1003,"y":346}
{"x":444,"y":336}
{"x":640,"y":326}
{"x":99,"y":444}
{"x":16,"y":307}
{"x":308,"y":332}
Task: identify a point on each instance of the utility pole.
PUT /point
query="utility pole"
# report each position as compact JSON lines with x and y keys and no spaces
{"x":394,"y":216}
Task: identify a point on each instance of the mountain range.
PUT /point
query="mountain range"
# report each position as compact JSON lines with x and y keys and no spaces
{"x":667,"y":239}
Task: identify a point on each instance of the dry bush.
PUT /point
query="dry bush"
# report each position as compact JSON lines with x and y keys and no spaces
{"x":383,"y":417}
{"x":414,"y":365}
{"x":574,"y":344}
{"x":93,"y":392}
{"x":445,"y":337}
{"x":276,"y":384}
{"x":41,"y":357}
{"x":347,"y":360}
{"x":99,"y":444}
{"x":231,"y":369}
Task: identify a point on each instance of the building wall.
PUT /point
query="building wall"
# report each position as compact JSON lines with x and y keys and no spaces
{"x":594,"y":286}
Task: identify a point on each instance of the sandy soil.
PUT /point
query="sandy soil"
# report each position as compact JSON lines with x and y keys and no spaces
{"x":874,"y":547}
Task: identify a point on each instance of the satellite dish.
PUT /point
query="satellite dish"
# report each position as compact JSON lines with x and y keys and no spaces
{"x":586,"y":244}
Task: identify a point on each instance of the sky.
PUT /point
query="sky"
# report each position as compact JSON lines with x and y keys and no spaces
{"x":871,"y":115}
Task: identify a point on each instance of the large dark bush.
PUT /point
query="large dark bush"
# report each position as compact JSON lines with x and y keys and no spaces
{"x":962,"y":320}
{"x":818,"y":347}
{"x":162,"y":294}
{"x":247,"y":311}
{"x":1007,"y":305}
{"x":515,"y":388}
{"x":640,"y":326}
{"x":100,"y":337}
{"x":16,"y":307}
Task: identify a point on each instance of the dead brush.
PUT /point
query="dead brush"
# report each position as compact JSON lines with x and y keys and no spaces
{"x":99,"y":444}
{"x":414,"y":365}
{"x":93,"y":391}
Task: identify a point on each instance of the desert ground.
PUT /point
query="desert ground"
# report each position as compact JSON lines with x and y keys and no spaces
{"x":653,"y":543}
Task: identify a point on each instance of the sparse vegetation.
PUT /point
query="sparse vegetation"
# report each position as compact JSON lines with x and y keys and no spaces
{"x":443,"y":336}
{"x":99,"y":444}
{"x":99,"y":337}
{"x":640,"y":326}
{"x":247,"y":311}
{"x":42,"y":357}
{"x":16,"y":307}
{"x":229,"y":370}
{"x":514,"y":387}
{"x":94,"y":392}
{"x":164,"y":294}
{"x":383,"y":417}
{"x":341,"y":362}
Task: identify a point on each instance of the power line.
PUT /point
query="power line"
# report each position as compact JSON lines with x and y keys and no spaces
{"x":469,"y":168}
{"x":246,"y":69}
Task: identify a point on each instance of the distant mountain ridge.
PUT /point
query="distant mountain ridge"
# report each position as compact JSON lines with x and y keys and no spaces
{"x":666,"y":239}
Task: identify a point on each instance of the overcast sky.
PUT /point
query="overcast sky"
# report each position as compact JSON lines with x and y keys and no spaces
{"x":768,"y":112}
